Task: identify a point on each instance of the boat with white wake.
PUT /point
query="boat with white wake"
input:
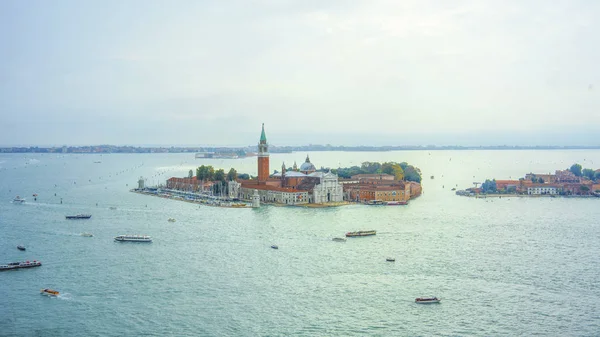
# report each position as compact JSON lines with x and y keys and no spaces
{"x":18,"y":200}
{"x":49,"y":292}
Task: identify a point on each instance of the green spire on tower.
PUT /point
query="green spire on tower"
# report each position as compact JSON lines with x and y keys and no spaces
{"x":263,"y":137}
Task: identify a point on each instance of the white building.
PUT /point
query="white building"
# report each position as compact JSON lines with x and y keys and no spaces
{"x":328,"y":189}
{"x":542,"y":190}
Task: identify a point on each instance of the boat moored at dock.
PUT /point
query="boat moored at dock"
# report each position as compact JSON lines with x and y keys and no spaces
{"x":78,"y":216}
{"x":396,"y":203}
{"x":361,"y":233}
{"x":133,"y":238}
{"x":20,"y":265}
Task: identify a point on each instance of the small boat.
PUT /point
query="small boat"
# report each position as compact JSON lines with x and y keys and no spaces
{"x":18,"y":200}
{"x":19,"y":265}
{"x":432,"y":177}
{"x":19,"y":247}
{"x":339,"y":239}
{"x":133,"y":238}
{"x":49,"y":292}
{"x":171,"y":220}
{"x":375,"y":202}
{"x":87,"y":235}
{"x":427,"y":300}
{"x":390,"y":259}
{"x":274,"y":247}
{"x":112,"y":207}
{"x":396,"y":203}
{"x":78,"y":216}
{"x":361,"y":233}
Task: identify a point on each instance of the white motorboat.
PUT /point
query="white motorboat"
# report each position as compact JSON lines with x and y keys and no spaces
{"x":427,"y":300}
{"x":133,"y":238}
{"x":18,"y":200}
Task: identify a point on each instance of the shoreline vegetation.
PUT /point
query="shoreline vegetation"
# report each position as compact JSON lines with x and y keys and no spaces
{"x":250,"y":150}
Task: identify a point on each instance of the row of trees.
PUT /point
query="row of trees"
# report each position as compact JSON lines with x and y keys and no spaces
{"x":401,"y":171}
{"x":579,"y":171}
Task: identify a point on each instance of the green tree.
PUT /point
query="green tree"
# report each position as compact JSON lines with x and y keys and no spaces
{"x":589,"y":173}
{"x":540,"y":180}
{"x":219,"y":175}
{"x":190,"y":174}
{"x":597,"y":176}
{"x":370,"y":167}
{"x":398,"y":172}
{"x":489,"y":186}
{"x":244,"y":176}
{"x":412,"y":174}
{"x":404,"y":165}
{"x":201,"y":173}
{"x":576,"y":169}
{"x":210,"y":173}
{"x":232,"y":174}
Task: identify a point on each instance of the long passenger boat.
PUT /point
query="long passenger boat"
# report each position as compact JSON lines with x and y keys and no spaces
{"x":361,"y":233}
{"x":78,"y":216}
{"x":19,"y":265}
{"x":133,"y":238}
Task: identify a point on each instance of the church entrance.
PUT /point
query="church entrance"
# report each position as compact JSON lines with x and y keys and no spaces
{"x":328,"y":196}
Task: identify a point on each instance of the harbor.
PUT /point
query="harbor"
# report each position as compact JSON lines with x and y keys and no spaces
{"x":201,"y":198}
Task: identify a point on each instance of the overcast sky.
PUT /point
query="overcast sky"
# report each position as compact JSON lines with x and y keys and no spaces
{"x":344,"y":72}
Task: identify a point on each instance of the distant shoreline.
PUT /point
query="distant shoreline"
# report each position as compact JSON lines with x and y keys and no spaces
{"x":108,"y":149}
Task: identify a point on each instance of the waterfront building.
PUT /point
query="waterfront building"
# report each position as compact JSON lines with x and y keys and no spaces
{"x":297,"y":186}
{"x":543,"y":189}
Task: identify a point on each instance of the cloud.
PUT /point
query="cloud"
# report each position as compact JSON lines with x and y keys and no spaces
{"x":377,"y":67}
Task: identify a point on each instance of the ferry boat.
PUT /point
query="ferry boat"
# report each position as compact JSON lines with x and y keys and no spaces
{"x":78,"y":216}
{"x":49,"y":292}
{"x":18,"y":200}
{"x":19,"y":265}
{"x":427,"y":300}
{"x":133,"y":238}
{"x":361,"y":233}
{"x":339,"y":239}
{"x":396,"y":203}
{"x":19,"y":247}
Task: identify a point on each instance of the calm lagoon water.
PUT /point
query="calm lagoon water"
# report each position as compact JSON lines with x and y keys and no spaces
{"x":502,"y":267}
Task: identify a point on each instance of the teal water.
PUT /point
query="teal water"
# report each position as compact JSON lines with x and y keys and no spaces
{"x":501,"y":267}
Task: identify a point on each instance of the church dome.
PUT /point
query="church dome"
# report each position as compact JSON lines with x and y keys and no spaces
{"x":307,"y":166}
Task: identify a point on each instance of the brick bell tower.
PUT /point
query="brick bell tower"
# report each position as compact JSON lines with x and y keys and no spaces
{"x":263,"y":157}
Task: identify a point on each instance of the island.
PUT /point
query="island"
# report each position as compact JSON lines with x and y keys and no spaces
{"x":372,"y":183}
{"x":572,"y":182}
